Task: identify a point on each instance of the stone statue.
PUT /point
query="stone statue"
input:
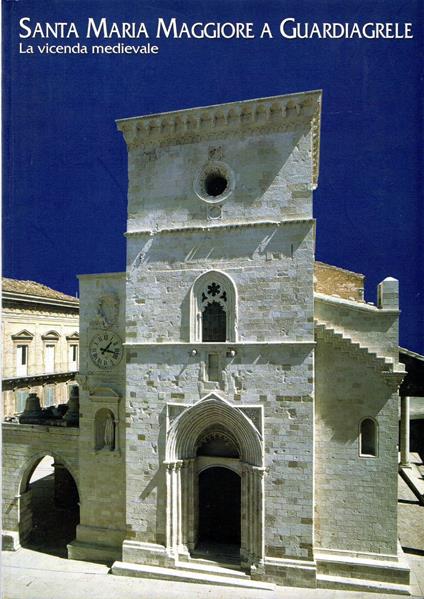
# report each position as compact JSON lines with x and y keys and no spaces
{"x":109,"y":434}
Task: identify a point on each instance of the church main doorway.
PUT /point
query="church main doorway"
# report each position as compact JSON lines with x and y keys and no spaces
{"x":219,"y":508}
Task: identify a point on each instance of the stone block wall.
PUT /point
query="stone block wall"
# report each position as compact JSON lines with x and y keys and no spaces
{"x":372,"y":327}
{"x":262,"y":238}
{"x":331,"y":280}
{"x":271,"y":172}
{"x":24,"y":445}
{"x":270,"y":266}
{"x":102,"y":471}
{"x":355,"y":497}
{"x":271,"y":376}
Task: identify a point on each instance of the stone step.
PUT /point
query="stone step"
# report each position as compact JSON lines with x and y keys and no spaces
{"x":357,"y":345}
{"x":325,"y":581}
{"x":362,"y":568}
{"x":210,"y":567}
{"x":160,"y":573}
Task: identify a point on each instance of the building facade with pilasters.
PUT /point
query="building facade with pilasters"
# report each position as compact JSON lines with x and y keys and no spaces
{"x":40,"y":338}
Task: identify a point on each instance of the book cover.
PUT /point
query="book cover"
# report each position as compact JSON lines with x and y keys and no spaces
{"x":75,"y":72}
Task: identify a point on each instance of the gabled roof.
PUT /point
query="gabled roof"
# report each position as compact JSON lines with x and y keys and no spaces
{"x":30,"y":291}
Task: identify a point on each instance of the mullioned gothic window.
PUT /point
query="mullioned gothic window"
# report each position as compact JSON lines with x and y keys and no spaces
{"x":213,"y":308}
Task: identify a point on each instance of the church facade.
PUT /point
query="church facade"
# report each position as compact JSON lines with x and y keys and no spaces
{"x":238,"y":401}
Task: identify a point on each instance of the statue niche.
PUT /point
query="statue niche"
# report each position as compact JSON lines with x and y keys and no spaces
{"x":104,"y":430}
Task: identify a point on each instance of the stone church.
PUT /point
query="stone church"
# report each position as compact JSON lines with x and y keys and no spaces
{"x":238,"y":401}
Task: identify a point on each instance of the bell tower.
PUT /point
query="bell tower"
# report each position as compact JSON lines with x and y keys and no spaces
{"x":219,"y":334}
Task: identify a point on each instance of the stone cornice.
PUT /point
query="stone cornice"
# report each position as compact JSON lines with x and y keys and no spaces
{"x":205,"y":345}
{"x":20,"y":298}
{"x":103,"y":275}
{"x":354,"y":305}
{"x":221,"y":226}
{"x":18,"y":382}
{"x":258,"y":116}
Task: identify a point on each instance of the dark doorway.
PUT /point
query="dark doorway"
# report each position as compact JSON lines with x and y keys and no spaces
{"x":219,"y":506}
{"x":214,"y":323}
{"x":50,"y":512}
{"x":417,"y":437}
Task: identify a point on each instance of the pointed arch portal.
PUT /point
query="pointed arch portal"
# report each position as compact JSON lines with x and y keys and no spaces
{"x":213,"y":445}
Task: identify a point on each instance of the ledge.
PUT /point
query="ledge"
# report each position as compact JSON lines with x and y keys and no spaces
{"x":231,"y":225}
{"x":17,"y":427}
{"x":219,"y":344}
{"x":106,"y":275}
{"x":11,"y":383}
{"x":362,"y":306}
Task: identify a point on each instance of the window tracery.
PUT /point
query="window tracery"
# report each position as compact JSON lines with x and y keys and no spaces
{"x":213,"y":308}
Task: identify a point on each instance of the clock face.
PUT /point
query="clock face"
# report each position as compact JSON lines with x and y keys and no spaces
{"x":106,"y":350}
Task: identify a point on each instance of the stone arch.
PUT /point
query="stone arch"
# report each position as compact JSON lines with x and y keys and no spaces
{"x":217,"y":441}
{"x":27,"y":469}
{"x":182,"y":472}
{"x":35,"y":501}
{"x":225,"y":299}
{"x":207,"y":413}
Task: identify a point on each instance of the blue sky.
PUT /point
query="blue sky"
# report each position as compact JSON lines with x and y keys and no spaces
{"x":65,"y":164}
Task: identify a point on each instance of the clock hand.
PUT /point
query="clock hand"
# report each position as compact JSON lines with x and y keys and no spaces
{"x":110,"y":351}
{"x":106,"y":348}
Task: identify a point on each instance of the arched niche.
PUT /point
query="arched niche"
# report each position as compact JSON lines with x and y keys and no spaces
{"x":213,"y":308}
{"x":368,"y":437}
{"x":105,"y":406}
{"x":104,"y":430}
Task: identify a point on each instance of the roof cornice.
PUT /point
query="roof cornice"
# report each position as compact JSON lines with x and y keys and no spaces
{"x":15,"y":296}
{"x":258,"y":116}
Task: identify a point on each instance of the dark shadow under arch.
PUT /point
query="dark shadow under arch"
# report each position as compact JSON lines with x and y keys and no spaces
{"x":49,"y":508}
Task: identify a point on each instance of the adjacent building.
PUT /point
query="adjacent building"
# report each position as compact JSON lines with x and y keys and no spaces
{"x":40,"y":337}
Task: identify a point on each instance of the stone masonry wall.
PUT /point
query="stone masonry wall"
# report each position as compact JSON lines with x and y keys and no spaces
{"x":275,"y":377}
{"x":332,"y":280}
{"x":102,"y":473}
{"x":267,"y":170}
{"x":270,"y":266}
{"x":23,"y":446}
{"x":376,"y":329}
{"x":355,"y":497}
{"x":258,"y":242}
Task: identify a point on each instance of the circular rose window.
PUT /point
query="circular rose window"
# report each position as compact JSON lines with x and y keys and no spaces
{"x":214,"y":183}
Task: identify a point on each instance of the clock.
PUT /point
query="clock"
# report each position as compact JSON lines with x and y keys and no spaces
{"x":106,"y":350}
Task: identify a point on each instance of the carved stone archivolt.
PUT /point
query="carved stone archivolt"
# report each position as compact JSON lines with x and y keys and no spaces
{"x":209,"y":419}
